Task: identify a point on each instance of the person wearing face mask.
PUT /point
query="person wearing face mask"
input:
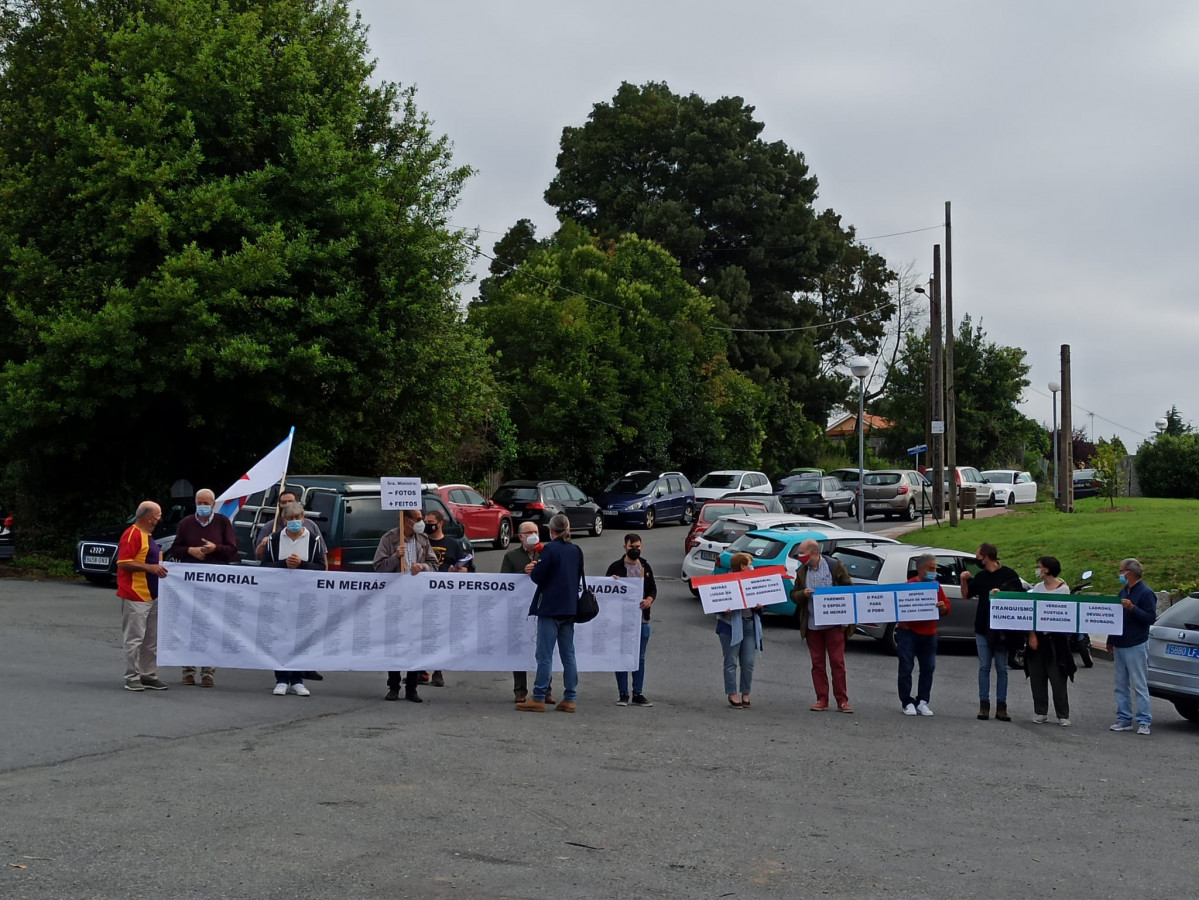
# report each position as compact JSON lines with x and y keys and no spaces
{"x":405,"y":549}
{"x":1048,"y":661}
{"x":287,"y":495}
{"x":294,"y":547}
{"x":823,"y":640}
{"x":450,"y":557}
{"x":632,"y":565}
{"x":1130,"y":650}
{"x":992,"y":644}
{"x":206,"y":537}
{"x":917,"y":641}
{"x":520,"y":559}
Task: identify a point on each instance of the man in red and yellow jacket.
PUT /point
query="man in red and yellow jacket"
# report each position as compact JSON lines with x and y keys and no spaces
{"x":918,"y":641}
{"x":138,"y":569}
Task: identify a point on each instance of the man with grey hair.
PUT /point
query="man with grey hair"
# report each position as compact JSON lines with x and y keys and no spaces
{"x":206,"y":537}
{"x":918,"y":641}
{"x":824,"y":641}
{"x":558,"y":574}
{"x":138,"y":569}
{"x":1130,"y":650}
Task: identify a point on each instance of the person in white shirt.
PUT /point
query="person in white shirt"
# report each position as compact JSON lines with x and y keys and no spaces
{"x":294,"y":547}
{"x":1048,"y":661}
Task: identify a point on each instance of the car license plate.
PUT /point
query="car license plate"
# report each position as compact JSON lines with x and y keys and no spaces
{"x":516,"y":513}
{"x":1182,"y":650}
{"x":95,"y":561}
{"x":610,"y":512}
{"x":708,"y":555}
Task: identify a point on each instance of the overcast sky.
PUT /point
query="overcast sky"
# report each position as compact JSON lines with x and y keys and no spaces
{"x":1065,"y":134}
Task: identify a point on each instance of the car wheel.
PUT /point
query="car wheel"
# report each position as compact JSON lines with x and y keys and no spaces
{"x":694,"y":590}
{"x":1188,"y":709}
{"x":853,"y":510}
{"x":828,"y":512}
{"x":910,"y":512}
{"x":888,"y":640}
{"x":688,"y":514}
{"x":650,"y":518}
{"x":102,"y":580}
{"x":597,"y":527}
{"x":1011,"y":499}
{"x":504,"y":537}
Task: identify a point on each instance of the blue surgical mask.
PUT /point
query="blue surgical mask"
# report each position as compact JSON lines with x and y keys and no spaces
{"x":203,"y":511}
{"x":295,"y":526}
{"x":1123,"y":579}
{"x":930,"y":576}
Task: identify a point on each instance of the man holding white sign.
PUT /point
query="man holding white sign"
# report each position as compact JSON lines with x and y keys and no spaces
{"x":823,"y":640}
{"x":409,"y":553}
{"x":917,"y":640}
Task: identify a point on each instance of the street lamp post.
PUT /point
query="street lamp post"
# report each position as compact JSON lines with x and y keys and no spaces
{"x":860,"y":366}
{"x":1054,"y":387}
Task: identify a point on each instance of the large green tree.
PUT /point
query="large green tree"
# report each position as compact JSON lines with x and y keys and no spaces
{"x":990,"y":380}
{"x":215,"y":224}
{"x":610,"y":361}
{"x":798,"y":291}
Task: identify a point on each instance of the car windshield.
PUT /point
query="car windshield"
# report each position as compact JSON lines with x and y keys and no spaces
{"x":506,"y":495}
{"x":803,"y":486}
{"x":717,"y":480}
{"x":881,"y":478}
{"x":634,"y":483}
{"x":713,"y":511}
{"x":756,"y":546}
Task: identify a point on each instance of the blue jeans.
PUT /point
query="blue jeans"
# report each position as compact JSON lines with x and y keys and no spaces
{"x":622,"y":678}
{"x":987,"y":653}
{"x":551,"y":631}
{"x":744,"y":653}
{"x":912,"y":647}
{"x":1132,"y":677}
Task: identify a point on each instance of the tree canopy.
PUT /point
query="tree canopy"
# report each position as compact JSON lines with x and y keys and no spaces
{"x":216,"y":225}
{"x":609,"y":361}
{"x":738,"y":214}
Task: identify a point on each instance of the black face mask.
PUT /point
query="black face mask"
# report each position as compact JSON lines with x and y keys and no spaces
{"x":633,"y":554}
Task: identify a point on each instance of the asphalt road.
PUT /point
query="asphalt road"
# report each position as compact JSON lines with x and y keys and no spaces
{"x":232,"y":792}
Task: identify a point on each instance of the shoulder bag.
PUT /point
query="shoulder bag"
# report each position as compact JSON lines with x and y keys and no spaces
{"x":588,"y":607}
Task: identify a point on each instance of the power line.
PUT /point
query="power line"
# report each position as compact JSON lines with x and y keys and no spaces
{"x":1091,"y":413}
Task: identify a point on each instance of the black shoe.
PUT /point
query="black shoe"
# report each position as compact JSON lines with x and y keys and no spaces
{"x":314,"y":676}
{"x":642,"y":700}
{"x":412,"y":696}
{"x":438,"y":680}
{"x":392,"y":694}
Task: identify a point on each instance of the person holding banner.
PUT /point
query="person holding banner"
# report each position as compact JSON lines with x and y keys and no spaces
{"x":631,"y":565}
{"x":286,"y":496}
{"x":405,"y":549}
{"x":740,"y":634}
{"x":558,"y":575}
{"x":294,"y":547}
{"x":206,"y":537}
{"x":992,"y":644}
{"x":1048,"y":661}
{"x":520,"y":559}
{"x":917,"y":641}
{"x":1130,"y":650}
{"x":823,"y":640}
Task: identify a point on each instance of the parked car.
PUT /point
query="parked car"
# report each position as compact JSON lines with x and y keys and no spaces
{"x":701,"y":559}
{"x":1086,"y":484}
{"x":819,"y":494}
{"x":770,"y":501}
{"x":716,"y":485}
{"x":484,"y":521}
{"x":8,"y":544}
{"x":1174,"y":657}
{"x":779,"y":482}
{"x":643,"y":498}
{"x":712,"y":510}
{"x":891,"y":492}
{"x":848,"y":477}
{"x":96,"y":552}
{"x":970,"y":477}
{"x":538,"y":501}
{"x":775,"y":547}
{"x":1009,"y":487}
{"x":894,"y":564}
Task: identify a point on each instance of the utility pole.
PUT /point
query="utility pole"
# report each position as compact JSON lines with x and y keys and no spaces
{"x":951,"y":407}
{"x":1066,"y":436}
{"x":937,"y":431}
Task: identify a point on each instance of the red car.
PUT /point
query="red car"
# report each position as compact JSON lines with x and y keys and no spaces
{"x":482,"y":519}
{"x":713,"y":510}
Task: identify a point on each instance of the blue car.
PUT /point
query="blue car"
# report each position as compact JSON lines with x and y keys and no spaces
{"x":644,"y":499}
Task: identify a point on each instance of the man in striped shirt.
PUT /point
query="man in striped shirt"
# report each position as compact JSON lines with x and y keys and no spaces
{"x":138,"y":569}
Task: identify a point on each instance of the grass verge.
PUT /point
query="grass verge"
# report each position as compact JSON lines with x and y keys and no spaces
{"x":1162,"y":534}
{"x":38,"y":567}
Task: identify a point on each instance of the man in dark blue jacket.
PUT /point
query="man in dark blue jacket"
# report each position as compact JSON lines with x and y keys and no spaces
{"x":558,"y":575}
{"x":1130,"y":650}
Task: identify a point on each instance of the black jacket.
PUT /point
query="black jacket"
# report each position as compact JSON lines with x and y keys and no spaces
{"x":650,"y":589}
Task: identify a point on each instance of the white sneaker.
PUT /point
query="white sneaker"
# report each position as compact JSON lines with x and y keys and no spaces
{"x":1065,"y":723}
{"x":1040,"y":720}
{"x":1121,"y":726}
{"x":1142,"y":729}
{"x":299,"y":690}
{"x":923,"y":709}
{"x":909,"y":710}
{"x":280,"y":689}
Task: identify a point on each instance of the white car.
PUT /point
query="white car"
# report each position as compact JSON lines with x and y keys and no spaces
{"x":701,"y":559}
{"x":716,"y":484}
{"x":1009,"y":487}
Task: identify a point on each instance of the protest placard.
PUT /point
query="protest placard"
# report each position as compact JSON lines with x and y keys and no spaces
{"x":400,"y":493}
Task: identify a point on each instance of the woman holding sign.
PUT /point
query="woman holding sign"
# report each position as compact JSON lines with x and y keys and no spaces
{"x":1048,"y":661}
{"x":740,"y":633}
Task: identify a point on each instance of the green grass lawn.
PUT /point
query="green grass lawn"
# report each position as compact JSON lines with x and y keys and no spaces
{"x":1162,"y":534}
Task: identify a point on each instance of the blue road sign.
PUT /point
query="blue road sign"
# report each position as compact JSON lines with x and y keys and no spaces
{"x":917,"y":450}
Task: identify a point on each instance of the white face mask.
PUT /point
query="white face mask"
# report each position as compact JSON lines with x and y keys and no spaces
{"x":530,"y":540}
{"x":418,"y":527}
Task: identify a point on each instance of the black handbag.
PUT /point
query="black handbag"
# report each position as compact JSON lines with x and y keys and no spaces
{"x":588,"y":607}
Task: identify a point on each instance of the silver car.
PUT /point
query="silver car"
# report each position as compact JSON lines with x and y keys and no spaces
{"x":1174,"y":657}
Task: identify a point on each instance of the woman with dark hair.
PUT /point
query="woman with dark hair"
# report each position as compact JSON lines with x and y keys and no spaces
{"x":740,"y":633}
{"x":1048,"y":662}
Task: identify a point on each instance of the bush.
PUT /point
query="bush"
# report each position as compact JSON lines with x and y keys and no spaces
{"x":1168,"y":466}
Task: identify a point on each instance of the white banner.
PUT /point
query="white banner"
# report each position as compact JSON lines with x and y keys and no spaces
{"x":247,"y":617}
